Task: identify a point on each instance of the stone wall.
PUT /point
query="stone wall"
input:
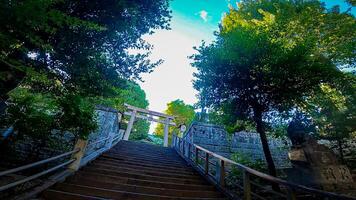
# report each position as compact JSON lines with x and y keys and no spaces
{"x":19,"y":151}
{"x":108,"y":121}
{"x":249,"y":143}
{"x":216,"y":139}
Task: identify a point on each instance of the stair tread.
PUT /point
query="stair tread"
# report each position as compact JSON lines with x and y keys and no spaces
{"x":113,"y":162}
{"x":151,"y":183}
{"x":116,"y":194}
{"x":133,"y":170}
{"x":61,"y":195}
{"x":143,"y":189}
{"x":153,"y":168}
{"x":143,"y":176}
{"x":148,"y":161}
{"x":145,"y":171}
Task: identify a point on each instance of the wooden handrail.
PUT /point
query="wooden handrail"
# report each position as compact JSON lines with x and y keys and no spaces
{"x":3,"y":173}
{"x":292,"y":187}
{"x":5,"y":187}
{"x":96,"y":142}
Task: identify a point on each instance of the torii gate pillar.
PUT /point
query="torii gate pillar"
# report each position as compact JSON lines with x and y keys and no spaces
{"x":166,"y":130}
{"x":129,"y":126}
{"x":148,"y":115}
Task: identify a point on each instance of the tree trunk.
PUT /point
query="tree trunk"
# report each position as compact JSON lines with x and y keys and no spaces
{"x":260,"y":129}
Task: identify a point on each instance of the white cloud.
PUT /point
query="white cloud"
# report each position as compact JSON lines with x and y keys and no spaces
{"x":204,"y":15}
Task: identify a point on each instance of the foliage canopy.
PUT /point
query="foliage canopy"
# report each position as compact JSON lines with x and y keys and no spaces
{"x":271,"y":56}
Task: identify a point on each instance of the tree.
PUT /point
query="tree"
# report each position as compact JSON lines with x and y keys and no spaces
{"x":228,"y":116}
{"x":264,"y":59}
{"x":333,"y":110}
{"x":183,"y":114}
{"x":130,"y":93}
{"x":84,"y":44}
{"x":67,"y":53}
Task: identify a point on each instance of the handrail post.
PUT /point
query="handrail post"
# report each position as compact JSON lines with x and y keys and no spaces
{"x":173,"y":140}
{"x":179,"y":145}
{"x":189,"y":153}
{"x":81,"y":145}
{"x":110,"y":140}
{"x":206,"y":163}
{"x":247,"y":185}
{"x":222,"y":173}
{"x":183,"y":148}
{"x":291,"y":194}
{"x":197,"y":156}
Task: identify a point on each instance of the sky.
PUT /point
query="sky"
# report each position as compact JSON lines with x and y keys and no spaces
{"x":192,"y":21}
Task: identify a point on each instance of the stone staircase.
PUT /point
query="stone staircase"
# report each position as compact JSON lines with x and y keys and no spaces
{"x":133,"y":170}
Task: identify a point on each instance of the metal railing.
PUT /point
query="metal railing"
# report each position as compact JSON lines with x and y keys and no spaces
{"x":241,"y":182}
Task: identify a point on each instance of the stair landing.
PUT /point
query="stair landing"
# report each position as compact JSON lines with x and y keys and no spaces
{"x":134,"y":170}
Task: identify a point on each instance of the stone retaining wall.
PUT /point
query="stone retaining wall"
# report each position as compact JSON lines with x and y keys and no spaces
{"x":216,"y":139}
{"x":57,"y":143}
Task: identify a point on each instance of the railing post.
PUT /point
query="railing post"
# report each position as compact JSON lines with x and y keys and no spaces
{"x":179,"y":144}
{"x":222,"y":173}
{"x":81,"y":145}
{"x":110,"y":140}
{"x":291,"y":194}
{"x":189,"y":149}
{"x":197,"y":156}
{"x":173,"y":140}
{"x":183,"y":148}
{"x":206,"y":163}
{"x":247,"y":185}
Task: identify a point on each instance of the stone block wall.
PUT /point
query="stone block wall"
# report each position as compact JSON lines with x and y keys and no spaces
{"x":61,"y":142}
{"x":216,"y":139}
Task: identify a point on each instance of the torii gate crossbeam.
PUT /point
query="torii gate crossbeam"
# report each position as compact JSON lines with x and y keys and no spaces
{"x":148,"y":115}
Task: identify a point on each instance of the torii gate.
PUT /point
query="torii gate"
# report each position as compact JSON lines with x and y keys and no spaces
{"x":148,"y":115}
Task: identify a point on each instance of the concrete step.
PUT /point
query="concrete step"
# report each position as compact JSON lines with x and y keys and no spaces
{"x":145,"y":164}
{"x":115,"y":194}
{"x":100,"y":172}
{"x":147,"y":160}
{"x":93,"y":177}
{"x":145,"y":155}
{"x":151,"y":172}
{"x":132,"y":170}
{"x":144,"y":189}
{"x":51,"y":194}
{"x":149,"y":168}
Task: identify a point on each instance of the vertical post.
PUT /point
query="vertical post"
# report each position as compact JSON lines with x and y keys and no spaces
{"x":119,"y":117}
{"x":81,"y":145}
{"x":129,"y":126}
{"x":166,"y":130}
{"x":247,"y":185}
{"x":197,"y":156}
{"x":110,"y":140}
{"x":189,"y":149}
{"x":172,"y":144}
{"x":176,"y":142}
{"x":206,"y":163}
{"x":179,"y":141}
{"x":222,"y":173}
{"x":291,"y":194}
{"x":183,"y":148}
